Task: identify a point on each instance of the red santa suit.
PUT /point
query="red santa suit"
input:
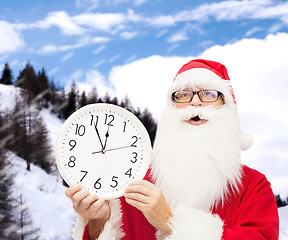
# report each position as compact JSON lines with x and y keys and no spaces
{"x":216,"y":197}
{"x":248,"y":214}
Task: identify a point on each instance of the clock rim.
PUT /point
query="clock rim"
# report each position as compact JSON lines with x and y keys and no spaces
{"x":75,"y":114}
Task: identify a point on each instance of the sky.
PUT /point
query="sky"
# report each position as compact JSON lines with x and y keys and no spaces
{"x":134,"y":48}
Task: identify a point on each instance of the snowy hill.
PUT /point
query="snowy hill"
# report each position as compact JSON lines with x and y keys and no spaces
{"x":50,"y":209}
{"x":283,"y":214}
{"x":44,"y":195}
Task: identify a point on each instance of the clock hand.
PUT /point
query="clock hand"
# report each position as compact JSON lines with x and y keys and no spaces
{"x":112,"y":149}
{"x":99,"y":136}
{"x":106,"y":135}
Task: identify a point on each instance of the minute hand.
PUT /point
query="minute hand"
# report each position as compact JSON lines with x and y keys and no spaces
{"x":113,"y":149}
{"x":99,"y":136}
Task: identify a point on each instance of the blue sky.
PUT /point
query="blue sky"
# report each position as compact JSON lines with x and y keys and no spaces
{"x":136,"y":47}
{"x":66,"y":36}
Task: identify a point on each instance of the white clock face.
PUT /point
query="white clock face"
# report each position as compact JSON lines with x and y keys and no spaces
{"x":103,"y":147}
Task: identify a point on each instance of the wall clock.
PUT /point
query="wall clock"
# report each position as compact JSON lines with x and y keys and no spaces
{"x":104,"y":147}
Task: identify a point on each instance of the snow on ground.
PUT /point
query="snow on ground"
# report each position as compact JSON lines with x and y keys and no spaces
{"x":53,"y":125}
{"x":283,"y":214}
{"x":7,"y":97}
{"x":48,"y":206}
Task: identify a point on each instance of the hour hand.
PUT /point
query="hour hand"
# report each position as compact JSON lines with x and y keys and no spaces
{"x":106,"y":136}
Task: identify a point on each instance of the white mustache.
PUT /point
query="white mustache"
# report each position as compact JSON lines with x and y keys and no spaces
{"x":191,"y":111}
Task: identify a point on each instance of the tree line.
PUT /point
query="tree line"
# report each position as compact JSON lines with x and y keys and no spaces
{"x":22,"y":129}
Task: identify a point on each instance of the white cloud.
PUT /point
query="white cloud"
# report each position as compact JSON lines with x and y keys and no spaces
{"x":94,"y":79}
{"x":226,"y":11}
{"x":128,"y":35}
{"x":177,"y":37}
{"x":11,"y":40}
{"x":82,"y":42}
{"x":60,"y":19}
{"x":145,"y":81}
{"x":64,"y":22}
{"x":275,"y":28}
{"x":253,"y":30}
{"x":89,"y":4}
{"x":67,"y":56}
{"x":258,"y":71}
{"x":100,"y":21}
{"x":114,"y":58}
{"x":99,"y":49}
{"x":139,"y":2}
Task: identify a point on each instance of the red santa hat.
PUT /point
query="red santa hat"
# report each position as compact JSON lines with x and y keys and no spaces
{"x":208,"y":75}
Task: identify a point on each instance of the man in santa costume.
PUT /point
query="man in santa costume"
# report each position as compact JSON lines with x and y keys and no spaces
{"x":197,"y":187}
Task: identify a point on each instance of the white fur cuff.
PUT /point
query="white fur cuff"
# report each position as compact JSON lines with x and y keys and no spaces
{"x":194,"y":224}
{"x":112,"y":229}
{"x":79,"y":227}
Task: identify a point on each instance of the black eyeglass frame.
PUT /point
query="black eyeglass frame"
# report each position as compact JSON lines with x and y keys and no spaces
{"x":220,"y":94}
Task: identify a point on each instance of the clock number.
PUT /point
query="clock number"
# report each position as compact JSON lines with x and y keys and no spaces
{"x":97,"y":184}
{"x":94,"y":122}
{"x":85,"y":173}
{"x":72,"y":144}
{"x":80,"y":130}
{"x":109,"y":119}
{"x":129,"y":172}
{"x":114,"y":180}
{"x":135,"y":157}
{"x":133,"y":144}
{"x":71,"y":162}
{"x":124,"y":128}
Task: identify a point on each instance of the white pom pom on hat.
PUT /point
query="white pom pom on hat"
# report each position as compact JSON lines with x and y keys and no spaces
{"x":209,"y":74}
{"x":246,"y":140}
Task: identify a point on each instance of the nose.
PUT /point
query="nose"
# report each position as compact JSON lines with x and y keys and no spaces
{"x":196,"y":102}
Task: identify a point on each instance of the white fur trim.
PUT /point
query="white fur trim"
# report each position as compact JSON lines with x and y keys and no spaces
{"x":194,"y":224}
{"x":79,"y":228}
{"x":112,"y":229}
{"x":246,"y":140}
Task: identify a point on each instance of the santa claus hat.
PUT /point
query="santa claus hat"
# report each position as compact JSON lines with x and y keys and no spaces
{"x":208,"y":75}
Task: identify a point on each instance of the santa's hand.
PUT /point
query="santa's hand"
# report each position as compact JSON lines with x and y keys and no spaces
{"x":88,"y":205}
{"x":150,"y":200}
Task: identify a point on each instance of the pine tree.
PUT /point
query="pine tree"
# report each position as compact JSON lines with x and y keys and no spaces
{"x":41,"y":153}
{"x":150,"y":124}
{"x":24,"y":221}
{"x":20,"y":129}
{"x":114,"y":101}
{"x":44,"y":92}
{"x":83,"y":100}
{"x":93,"y":96}
{"x":107,"y":98}
{"x":28,"y":80}
{"x":279,"y":201}
{"x":71,"y":101}
{"x":6,"y":75}
{"x":126,"y":103}
{"x":8,"y":226}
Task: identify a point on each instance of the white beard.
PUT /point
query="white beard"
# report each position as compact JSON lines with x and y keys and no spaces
{"x":197,"y":165}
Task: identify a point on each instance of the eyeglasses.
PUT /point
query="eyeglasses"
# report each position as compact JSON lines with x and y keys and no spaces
{"x":186,"y":96}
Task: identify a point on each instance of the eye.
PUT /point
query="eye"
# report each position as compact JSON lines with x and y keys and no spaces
{"x":210,"y":93}
{"x":184,"y":95}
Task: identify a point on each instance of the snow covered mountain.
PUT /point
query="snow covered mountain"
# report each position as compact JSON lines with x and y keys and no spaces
{"x":44,"y":194}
